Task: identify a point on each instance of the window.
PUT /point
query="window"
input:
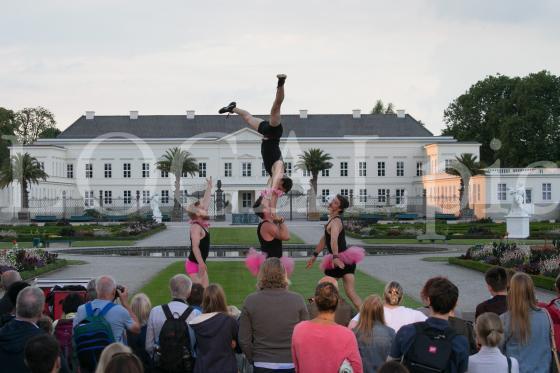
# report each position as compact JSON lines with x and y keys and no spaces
{"x":107,"y":197}
{"x":380,"y":168}
{"x":165,"y":197}
{"x":344,"y":192}
{"x":184,"y":196}
{"x":127,"y":197}
{"x":164,"y":174}
{"x":126,"y":170}
{"x":363,"y":195}
{"x":325,"y":172}
{"x":89,"y":170}
{"x":547,"y":191}
{"x":288,"y":168}
{"x":400,"y":168}
{"x":202,"y":169}
{"x":227,"y":169}
{"x":419,"y":169}
{"x":528,"y":196}
{"x":145,"y":170}
{"x":263,"y":170}
{"x":42,"y":165}
{"x":246,"y":169}
{"x":89,"y":198}
{"x":145,"y":196}
{"x":70,"y":171}
{"x":306,"y":173}
{"x":399,"y":196}
{"x":448,"y":164}
{"x":325,"y":195}
{"x":502,"y":192}
{"x":382,"y":195}
{"x":246,"y":199}
{"x":362,"y":171}
{"x":343,"y":168}
{"x":108,"y":170}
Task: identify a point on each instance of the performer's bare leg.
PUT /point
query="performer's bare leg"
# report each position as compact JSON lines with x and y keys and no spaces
{"x":248,"y":118}
{"x":275,"y":110}
{"x":350,"y":289}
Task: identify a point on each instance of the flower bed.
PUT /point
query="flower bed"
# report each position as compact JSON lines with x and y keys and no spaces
{"x":532,"y":259}
{"x":25,"y":259}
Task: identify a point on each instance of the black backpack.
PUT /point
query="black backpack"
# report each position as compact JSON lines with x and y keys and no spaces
{"x":431,"y":349}
{"x":174,"y":343}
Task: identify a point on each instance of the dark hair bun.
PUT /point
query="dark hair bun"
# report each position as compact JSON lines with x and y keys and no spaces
{"x":344,"y":204}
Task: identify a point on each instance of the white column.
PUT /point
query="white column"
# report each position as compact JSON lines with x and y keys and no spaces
{"x":235,"y":201}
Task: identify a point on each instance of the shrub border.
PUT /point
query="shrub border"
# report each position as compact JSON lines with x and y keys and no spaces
{"x":542,"y":282}
{"x":58,"y":264}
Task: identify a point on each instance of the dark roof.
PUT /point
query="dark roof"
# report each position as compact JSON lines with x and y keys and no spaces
{"x":178,"y":126}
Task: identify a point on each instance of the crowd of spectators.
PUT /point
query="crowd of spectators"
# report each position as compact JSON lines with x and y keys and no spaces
{"x":277,"y":330}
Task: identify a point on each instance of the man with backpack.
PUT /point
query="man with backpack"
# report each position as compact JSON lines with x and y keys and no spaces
{"x":432,"y":346}
{"x":169,"y":339}
{"x":101,"y":322}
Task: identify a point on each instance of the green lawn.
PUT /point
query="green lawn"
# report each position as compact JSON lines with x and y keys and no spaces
{"x":238,"y":283}
{"x":241,"y":236}
{"x":457,"y":241}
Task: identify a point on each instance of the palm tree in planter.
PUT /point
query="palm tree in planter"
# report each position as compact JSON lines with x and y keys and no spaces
{"x":179,"y":163}
{"x":465,"y":166}
{"x":314,"y":161}
{"x":24,"y":169}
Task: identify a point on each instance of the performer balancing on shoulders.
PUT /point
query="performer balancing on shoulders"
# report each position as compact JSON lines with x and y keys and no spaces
{"x":271,"y":234}
{"x":195,"y":265}
{"x":270,"y":147}
{"x":341,"y":260}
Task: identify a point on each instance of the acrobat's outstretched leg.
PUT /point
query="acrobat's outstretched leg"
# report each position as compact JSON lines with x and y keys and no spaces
{"x":275,"y":118}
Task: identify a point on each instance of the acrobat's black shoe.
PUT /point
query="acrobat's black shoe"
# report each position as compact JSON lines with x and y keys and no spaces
{"x":227,"y":109}
{"x":281,"y":79}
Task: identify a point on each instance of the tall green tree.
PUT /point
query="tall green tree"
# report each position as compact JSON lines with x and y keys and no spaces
{"x":50,"y":133}
{"x":31,"y":122}
{"x":24,"y":169}
{"x":465,"y":166}
{"x":314,"y":161}
{"x":7,"y":130}
{"x":380,"y":108}
{"x":180,"y":163}
{"x":517,"y":120}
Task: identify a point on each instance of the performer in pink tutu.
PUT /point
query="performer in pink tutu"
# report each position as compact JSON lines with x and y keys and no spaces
{"x":195,"y":265}
{"x":341,"y":260}
{"x":271,"y":234}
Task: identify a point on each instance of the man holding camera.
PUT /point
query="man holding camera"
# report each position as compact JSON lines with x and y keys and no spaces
{"x":119,"y":316}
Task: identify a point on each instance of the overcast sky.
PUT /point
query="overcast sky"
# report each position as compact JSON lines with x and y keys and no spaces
{"x":164,"y":57}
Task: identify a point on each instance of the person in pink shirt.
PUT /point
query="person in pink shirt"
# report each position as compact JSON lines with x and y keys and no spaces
{"x":320,"y":345}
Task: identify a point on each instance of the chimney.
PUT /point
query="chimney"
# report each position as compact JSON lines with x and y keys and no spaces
{"x":134,"y":114}
{"x":356,"y":113}
{"x":190,"y":114}
{"x":90,"y":115}
{"x":303,"y":114}
{"x":401,"y":113}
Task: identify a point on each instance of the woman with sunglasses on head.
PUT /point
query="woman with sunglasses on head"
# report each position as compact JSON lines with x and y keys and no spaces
{"x":341,"y":260}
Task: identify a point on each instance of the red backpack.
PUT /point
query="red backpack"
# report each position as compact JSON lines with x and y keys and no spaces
{"x":63,"y":334}
{"x":554,"y":313}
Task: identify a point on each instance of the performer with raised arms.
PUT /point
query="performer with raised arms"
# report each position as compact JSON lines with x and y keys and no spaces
{"x":341,"y":260}
{"x":195,"y":265}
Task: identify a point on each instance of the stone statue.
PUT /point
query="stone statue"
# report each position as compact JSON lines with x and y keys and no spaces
{"x":517,"y":220}
{"x":518,"y":194}
{"x":156,"y":213}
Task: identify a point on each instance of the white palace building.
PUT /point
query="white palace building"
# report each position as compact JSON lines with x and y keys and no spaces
{"x":383,"y":161}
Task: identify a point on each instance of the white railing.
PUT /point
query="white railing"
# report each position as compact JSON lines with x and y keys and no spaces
{"x":522,"y":171}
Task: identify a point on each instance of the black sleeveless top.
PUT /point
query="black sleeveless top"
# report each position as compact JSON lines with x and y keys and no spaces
{"x":273,"y":248}
{"x":204,"y":246}
{"x":341,"y":237}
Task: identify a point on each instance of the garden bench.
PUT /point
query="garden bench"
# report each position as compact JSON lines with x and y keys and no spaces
{"x":48,"y":241}
{"x":369,"y":218}
{"x":45,"y":218}
{"x":115,"y":218}
{"x":431,"y":237}
{"x":81,"y":218}
{"x":244,"y":219}
{"x":405,"y":216}
{"x":440,"y":216}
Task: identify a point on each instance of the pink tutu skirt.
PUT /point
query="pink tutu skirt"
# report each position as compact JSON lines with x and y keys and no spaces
{"x":352,"y":255}
{"x":256,"y":258}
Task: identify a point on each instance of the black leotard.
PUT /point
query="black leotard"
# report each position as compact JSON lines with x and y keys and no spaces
{"x":204,"y":246}
{"x":348,"y":268}
{"x":273,"y":248}
{"x":270,"y":148}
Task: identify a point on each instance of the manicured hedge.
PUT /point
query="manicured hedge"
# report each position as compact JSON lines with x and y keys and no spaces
{"x":540,"y":281}
{"x":59,"y":263}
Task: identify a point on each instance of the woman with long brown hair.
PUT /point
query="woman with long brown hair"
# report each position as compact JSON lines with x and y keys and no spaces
{"x":215,"y":333}
{"x":526,"y":327}
{"x":373,"y":335}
